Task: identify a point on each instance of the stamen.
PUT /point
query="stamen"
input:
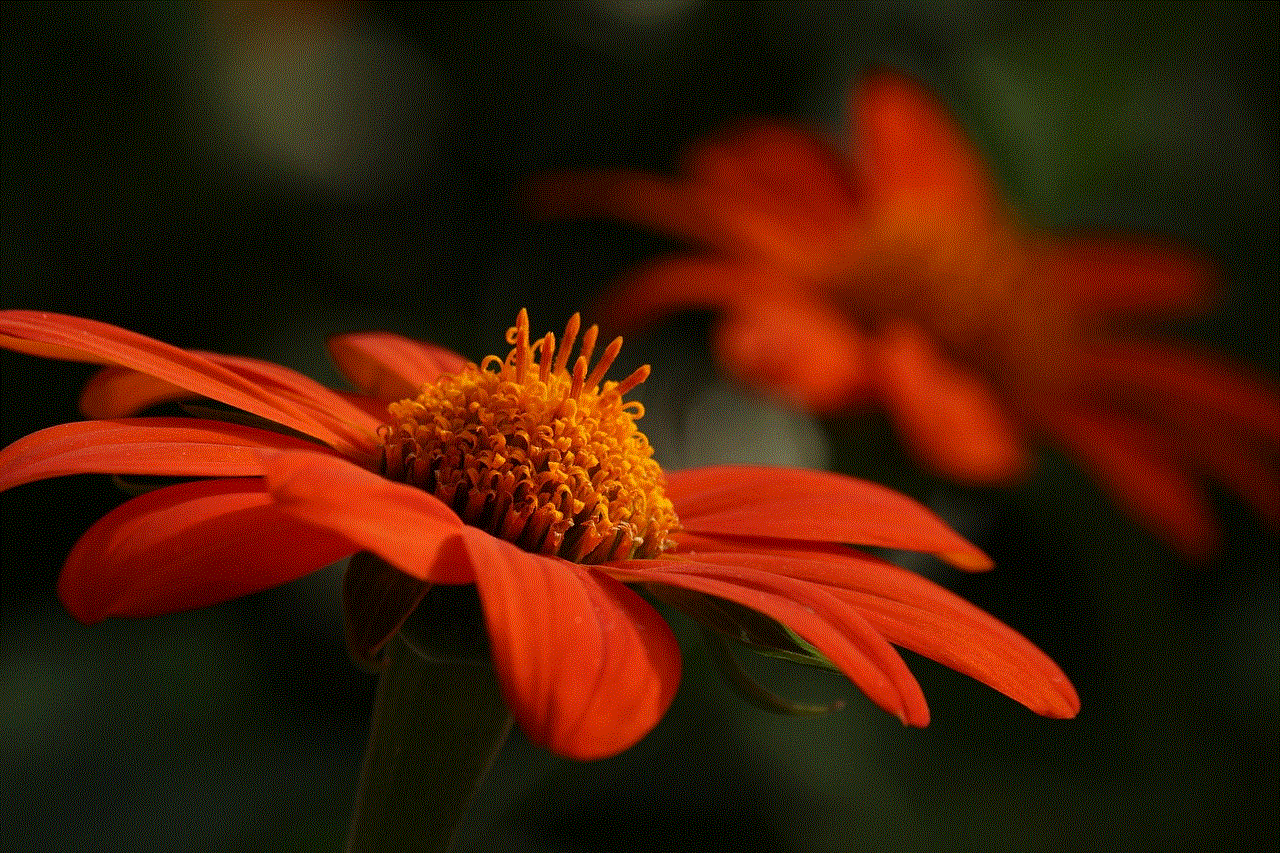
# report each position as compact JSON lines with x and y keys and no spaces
{"x":579,"y":374}
{"x":605,"y":362}
{"x":547,"y":347}
{"x":589,"y":342}
{"x":522,"y":345}
{"x":549,"y":460}
{"x":566,"y":343}
{"x":640,"y":374}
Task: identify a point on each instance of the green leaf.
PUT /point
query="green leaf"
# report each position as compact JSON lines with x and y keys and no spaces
{"x":752,"y":690}
{"x":742,"y":624}
{"x":377,"y":598}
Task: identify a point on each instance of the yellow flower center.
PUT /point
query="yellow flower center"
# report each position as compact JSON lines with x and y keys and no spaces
{"x":536,"y":454}
{"x":980,"y":291}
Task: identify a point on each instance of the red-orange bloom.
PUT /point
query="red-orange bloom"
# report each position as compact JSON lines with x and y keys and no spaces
{"x":526,"y":477}
{"x":895,"y":277}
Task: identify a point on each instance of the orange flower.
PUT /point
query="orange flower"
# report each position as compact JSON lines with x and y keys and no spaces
{"x":526,"y":477}
{"x":896,"y":277}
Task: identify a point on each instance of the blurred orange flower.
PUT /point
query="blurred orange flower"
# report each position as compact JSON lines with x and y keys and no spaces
{"x":523,"y":476}
{"x":896,"y":277}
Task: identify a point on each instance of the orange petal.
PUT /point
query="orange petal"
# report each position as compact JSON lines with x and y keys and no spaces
{"x":79,"y":339}
{"x":798,"y":505}
{"x":1000,"y":658}
{"x":316,"y":398}
{"x":659,"y":203}
{"x":1134,"y":463}
{"x":118,"y":392}
{"x":401,"y":524}
{"x":1216,"y":444}
{"x":166,"y":447}
{"x":811,"y":611}
{"x":372,"y":406}
{"x":1188,"y":376}
{"x":76,"y":338}
{"x":681,"y":282}
{"x":910,"y":150}
{"x":913,"y":612}
{"x":352,"y":424}
{"x":784,"y":191}
{"x":1224,"y":419}
{"x":796,"y":350}
{"x":189,"y":546}
{"x":707,"y":215}
{"x":947,"y":416}
{"x":391,"y":367}
{"x":1241,"y":463}
{"x":1100,"y":276}
{"x":587,"y":667}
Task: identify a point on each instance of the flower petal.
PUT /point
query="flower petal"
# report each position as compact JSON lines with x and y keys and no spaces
{"x":189,"y":546}
{"x":1100,"y":275}
{"x":1188,"y":376}
{"x":119,"y":392}
{"x":784,"y":191}
{"x":1135,"y":464}
{"x":372,"y":406}
{"x":762,"y":191}
{"x":401,"y":524}
{"x":680,"y":282}
{"x":998,"y":657}
{"x":166,"y":447}
{"x":1238,"y":459}
{"x":391,"y":367}
{"x":947,"y":415}
{"x":79,"y":339}
{"x":657,"y":202}
{"x":326,"y":405}
{"x":910,"y":150}
{"x":797,"y":350}
{"x":587,"y":667}
{"x":1223,"y":420}
{"x":810,"y":610}
{"x":914,"y":612}
{"x":798,"y":505}
{"x":783,"y":169}
{"x":115,"y":392}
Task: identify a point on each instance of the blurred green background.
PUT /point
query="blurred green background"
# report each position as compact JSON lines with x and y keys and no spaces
{"x":248,"y":178}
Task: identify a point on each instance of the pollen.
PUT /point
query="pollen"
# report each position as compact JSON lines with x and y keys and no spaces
{"x":537,"y":452}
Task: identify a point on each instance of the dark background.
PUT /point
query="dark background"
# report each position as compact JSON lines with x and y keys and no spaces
{"x":248,"y":179}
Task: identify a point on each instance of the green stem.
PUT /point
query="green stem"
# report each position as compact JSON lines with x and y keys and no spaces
{"x":438,"y":724}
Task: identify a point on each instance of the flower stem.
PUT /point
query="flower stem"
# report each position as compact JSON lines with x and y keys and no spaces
{"x":438,"y":723}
